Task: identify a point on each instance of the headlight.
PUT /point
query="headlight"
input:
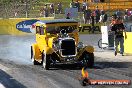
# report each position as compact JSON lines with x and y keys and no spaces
{"x":55,"y":45}
{"x":80,"y":45}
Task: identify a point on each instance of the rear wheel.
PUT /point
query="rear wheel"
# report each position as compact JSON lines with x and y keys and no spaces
{"x":84,"y":82}
{"x":46,"y":61}
{"x":33,"y":57}
{"x":88,"y":59}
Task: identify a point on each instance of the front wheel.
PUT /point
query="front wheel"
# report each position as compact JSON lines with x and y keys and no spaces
{"x":46,"y":61}
{"x":33,"y":57}
{"x":88,"y":59}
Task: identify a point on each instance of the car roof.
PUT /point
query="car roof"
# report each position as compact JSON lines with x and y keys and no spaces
{"x":57,"y":21}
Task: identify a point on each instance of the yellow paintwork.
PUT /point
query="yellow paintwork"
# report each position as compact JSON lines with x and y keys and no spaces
{"x":128,"y":43}
{"x":50,"y":41}
{"x":48,"y":50}
{"x":76,"y":36}
{"x":89,"y":49}
{"x":36,"y":52}
{"x":44,"y":43}
{"x":8,"y":26}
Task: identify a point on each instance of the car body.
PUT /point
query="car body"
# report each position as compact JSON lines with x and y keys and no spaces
{"x":57,"y":41}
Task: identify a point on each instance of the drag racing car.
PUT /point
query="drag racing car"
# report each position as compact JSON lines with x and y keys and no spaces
{"x":57,"y":41}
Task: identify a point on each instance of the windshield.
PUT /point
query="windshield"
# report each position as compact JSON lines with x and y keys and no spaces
{"x":57,"y":29}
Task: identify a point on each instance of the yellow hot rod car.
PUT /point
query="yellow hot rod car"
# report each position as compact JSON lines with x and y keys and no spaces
{"x":57,"y":41}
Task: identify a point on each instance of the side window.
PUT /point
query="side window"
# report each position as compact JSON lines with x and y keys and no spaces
{"x":41,"y":30}
{"x":37,"y":30}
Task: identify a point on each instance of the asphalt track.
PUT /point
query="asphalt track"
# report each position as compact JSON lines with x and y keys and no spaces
{"x":17,"y":71}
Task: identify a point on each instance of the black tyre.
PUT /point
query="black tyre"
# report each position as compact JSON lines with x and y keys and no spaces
{"x":46,"y":61}
{"x":100,"y":43}
{"x":84,"y":82}
{"x":33,"y":58}
{"x":88,"y":59}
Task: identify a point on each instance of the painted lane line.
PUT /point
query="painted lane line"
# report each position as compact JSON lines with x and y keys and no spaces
{"x":2,"y":86}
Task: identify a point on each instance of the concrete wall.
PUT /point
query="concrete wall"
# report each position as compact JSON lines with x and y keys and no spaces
{"x":8,"y":26}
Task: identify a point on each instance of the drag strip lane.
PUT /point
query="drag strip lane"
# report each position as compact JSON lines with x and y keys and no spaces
{"x":6,"y":81}
{"x":15,"y":55}
{"x":34,"y":76}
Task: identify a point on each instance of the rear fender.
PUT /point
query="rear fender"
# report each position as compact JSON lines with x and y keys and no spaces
{"x":89,"y":49}
{"x":36,"y":52}
{"x":48,"y":50}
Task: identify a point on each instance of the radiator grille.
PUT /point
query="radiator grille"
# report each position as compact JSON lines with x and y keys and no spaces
{"x":68,"y":47}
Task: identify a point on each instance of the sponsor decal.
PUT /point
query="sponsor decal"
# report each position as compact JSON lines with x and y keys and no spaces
{"x":26,"y":26}
{"x":88,"y":28}
{"x":86,"y":80}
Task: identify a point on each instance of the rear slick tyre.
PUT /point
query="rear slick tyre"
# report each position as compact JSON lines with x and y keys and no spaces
{"x":33,"y":57}
{"x":88,"y":59}
{"x":46,"y":61}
